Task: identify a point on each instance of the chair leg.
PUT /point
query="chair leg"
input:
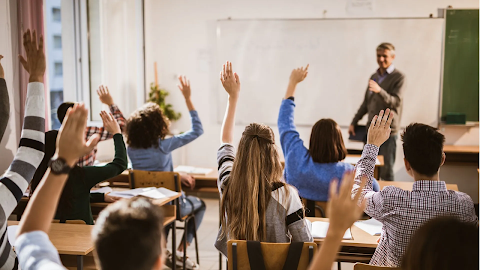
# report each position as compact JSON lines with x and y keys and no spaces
{"x":185,"y":232}
{"x":174,"y":243}
{"x":339,"y":265}
{"x":196,"y":240}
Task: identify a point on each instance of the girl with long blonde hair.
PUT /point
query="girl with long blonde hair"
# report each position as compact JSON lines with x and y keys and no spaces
{"x":255,"y":204}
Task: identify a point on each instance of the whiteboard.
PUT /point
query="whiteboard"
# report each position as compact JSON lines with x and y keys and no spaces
{"x":342,"y":57}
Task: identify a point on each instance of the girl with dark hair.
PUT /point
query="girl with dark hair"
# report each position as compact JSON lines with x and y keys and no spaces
{"x":311,"y":170}
{"x":150,"y":150}
{"x":75,"y":200}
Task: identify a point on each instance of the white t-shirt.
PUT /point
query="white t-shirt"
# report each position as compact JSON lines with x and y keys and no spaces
{"x":36,"y":252}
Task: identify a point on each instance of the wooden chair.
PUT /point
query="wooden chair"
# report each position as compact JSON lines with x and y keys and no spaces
{"x":168,"y":180}
{"x":315,"y":209}
{"x":362,"y":266}
{"x":275,"y":255}
{"x":75,"y":221}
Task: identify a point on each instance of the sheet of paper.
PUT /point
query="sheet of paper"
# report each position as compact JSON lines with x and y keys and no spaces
{"x":12,"y":234}
{"x":130,"y":193}
{"x":192,"y":170}
{"x":153,"y":194}
{"x":320,"y":228}
{"x":167,"y":192}
{"x":371,"y":226}
{"x":101,"y":190}
{"x":354,"y":160}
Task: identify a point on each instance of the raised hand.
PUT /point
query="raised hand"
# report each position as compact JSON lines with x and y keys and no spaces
{"x":109,"y":123}
{"x":299,"y":74}
{"x":379,"y":130}
{"x":184,"y":87}
{"x":373,"y":86}
{"x":2,"y":72}
{"x":343,"y":210}
{"x":35,"y":64}
{"x":230,"y":80}
{"x":71,"y":143}
{"x":104,"y":95}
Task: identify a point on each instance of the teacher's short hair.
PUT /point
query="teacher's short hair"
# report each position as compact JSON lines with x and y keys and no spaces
{"x":386,"y":46}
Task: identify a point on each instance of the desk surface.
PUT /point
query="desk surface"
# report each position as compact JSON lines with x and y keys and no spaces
{"x":408,"y":185}
{"x":466,"y":149}
{"x":69,"y":239}
{"x":360,"y":237}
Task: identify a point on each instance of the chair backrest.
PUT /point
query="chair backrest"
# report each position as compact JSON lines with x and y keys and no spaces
{"x":362,"y":266}
{"x":320,"y":208}
{"x":168,"y":180}
{"x":274,"y":255}
{"x":75,"y":221}
{"x":409,"y":185}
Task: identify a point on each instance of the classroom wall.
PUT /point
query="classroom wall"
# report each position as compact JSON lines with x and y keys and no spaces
{"x":181,"y":37}
{"x":9,"y":50}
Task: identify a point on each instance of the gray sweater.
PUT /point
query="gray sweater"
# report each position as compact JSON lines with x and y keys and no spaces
{"x":389,"y":97}
{"x":284,"y":215}
{"x":4,"y":107}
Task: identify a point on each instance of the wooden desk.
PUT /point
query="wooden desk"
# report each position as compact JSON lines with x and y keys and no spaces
{"x":359,"y":249}
{"x":408,"y":185}
{"x":70,"y":239}
{"x":461,"y":154}
{"x":205,"y":183}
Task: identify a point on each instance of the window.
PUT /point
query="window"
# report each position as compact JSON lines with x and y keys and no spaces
{"x":56,"y":14}
{"x":58,"y":69}
{"x":57,"y":42}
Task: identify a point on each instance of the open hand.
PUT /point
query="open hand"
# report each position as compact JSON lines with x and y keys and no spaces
{"x":188,"y":180}
{"x":71,"y":143}
{"x":230,"y":80}
{"x":35,"y":64}
{"x":379,"y":130}
{"x":184,"y":86}
{"x":2,"y":72}
{"x":343,"y":210}
{"x":104,"y":95}
{"x":373,"y":86}
{"x":299,"y":74}
{"x":109,"y":123}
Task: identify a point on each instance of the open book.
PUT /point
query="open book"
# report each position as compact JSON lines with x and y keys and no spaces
{"x":192,"y":170}
{"x":150,"y":192}
{"x":320,"y":228}
{"x":371,"y":226}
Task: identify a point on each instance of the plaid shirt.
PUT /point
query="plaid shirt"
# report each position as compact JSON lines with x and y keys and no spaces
{"x":89,"y":160}
{"x":402,"y":212}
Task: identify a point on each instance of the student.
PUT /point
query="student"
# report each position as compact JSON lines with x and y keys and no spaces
{"x":4,"y":102}
{"x":107,"y":99}
{"x":15,"y":180}
{"x":402,"y":212}
{"x":443,"y":243}
{"x":255,"y":204}
{"x":128,"y":233}
{"x":311,"y":170}
{"x":344,"y":211}
{"x":150,"y":150}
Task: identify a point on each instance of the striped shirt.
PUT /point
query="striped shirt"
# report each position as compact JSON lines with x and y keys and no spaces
{"x":402,"y":212}
{"x":285,"y":217}
{"x":18,"y":176}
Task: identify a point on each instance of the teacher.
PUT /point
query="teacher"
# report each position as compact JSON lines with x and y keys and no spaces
{"x":384,"y":90}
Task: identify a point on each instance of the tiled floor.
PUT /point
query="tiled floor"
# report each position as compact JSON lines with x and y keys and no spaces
{"x":207,"y":234}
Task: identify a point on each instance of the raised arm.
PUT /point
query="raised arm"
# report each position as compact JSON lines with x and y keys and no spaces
{"x":289,"y":136}
{"x":378,"y":133}
{"x":16,"y":179}
{"x":344,"y":211}
{"x":32,"y":243}
{"x":4,"y":102}
{"x":231,"y":83}
{"x":94,"y":174}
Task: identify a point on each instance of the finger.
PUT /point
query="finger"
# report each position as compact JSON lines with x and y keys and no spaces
{"x":230,"y":69}
{"x":92,"y":142}
{"x":23,"y":62}
{"x":237,"y":79}
{"x":221,"y":77}
{"x":379,"y":119}
{"x":306,"y":68}
{"x":40,"y":44}
{"x":374,"y":120}
{"x":81,"y":118}
{"x":27,"y":41}
{"x":34,"y":41}
{"x":390,"y":119}
{"x":1,"y":56}
{"x":333,"y":189}
{"x":304,"y":76}
{"x":106,"y":90}
{"x":110,"y":116}
{"x":181,"y":80}
{"x":224,"y":71}
{"x":188,"y":83}
{"x":385,"y":117}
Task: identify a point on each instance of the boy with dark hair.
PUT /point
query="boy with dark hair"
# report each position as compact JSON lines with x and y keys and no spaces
{"x":128,"y":234}
{"x":403,"y":212}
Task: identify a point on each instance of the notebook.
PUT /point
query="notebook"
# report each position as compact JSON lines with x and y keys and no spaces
{"x":360,"y":134}
{"x":101,"y":190}
{"x":150,"y":192}
{"x":371,"y":226}
{"x":320,"y":228}
{"x":192,"y":170}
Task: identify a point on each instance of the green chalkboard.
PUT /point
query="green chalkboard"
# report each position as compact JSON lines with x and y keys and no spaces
{"x":460,"y":68}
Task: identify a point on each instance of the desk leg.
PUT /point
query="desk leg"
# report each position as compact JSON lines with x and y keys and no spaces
{"x":174,"y":243}
{"x":220,"y":259}
{"x":79,"y":262}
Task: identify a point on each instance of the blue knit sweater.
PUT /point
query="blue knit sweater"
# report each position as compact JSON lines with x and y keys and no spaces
{"x":312,"y":179}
